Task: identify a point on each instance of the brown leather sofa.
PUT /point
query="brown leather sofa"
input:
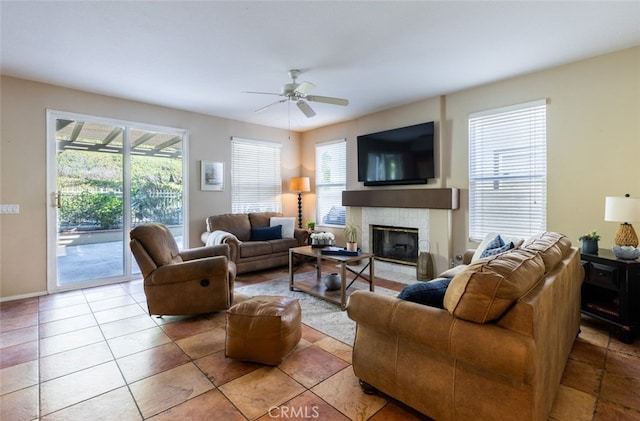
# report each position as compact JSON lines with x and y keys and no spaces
{"x":251,"y":255}
{"x":193,"y":281}
{"x":497,"y":350}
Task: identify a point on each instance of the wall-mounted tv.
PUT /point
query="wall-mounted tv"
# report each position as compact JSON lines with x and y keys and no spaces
{"x":398,"y":156}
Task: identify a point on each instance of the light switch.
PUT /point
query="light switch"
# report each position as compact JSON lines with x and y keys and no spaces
{"x":9,"y":209}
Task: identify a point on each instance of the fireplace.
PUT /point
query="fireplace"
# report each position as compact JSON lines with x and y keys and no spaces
{"x":395,"y":244}
{"x":394,"y":217}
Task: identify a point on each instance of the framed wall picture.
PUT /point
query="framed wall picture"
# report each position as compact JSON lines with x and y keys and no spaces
{"x":211,"y":176}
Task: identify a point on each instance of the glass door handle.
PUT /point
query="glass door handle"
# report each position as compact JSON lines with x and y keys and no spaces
{"x":56,"y":201}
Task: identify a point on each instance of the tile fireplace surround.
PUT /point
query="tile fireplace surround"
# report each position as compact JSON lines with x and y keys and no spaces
{"x":411,"y":218}
{"x":412,"y":210}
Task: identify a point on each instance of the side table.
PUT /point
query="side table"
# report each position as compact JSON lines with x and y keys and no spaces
{"x":611,"y":291}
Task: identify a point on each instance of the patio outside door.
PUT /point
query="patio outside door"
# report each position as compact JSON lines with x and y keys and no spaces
{"x":105,"y":178}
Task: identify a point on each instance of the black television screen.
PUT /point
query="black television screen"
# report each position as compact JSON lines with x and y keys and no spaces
{"x":398,"y":156}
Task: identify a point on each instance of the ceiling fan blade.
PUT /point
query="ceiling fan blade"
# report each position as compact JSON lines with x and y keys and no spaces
{"x":328,"y":100}
{"x":269,"y":105}
{"x":261,"y":93}
{"x":304,"y":88}
{"x":305,"y":108}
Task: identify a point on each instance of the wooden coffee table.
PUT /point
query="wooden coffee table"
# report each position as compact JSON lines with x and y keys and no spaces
{"x":307,"y":255}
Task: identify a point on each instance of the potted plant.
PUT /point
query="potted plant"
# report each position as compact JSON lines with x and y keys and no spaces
{"x":311,"y":225}
{"x":351,"y":237}
{"x":590,"y":242}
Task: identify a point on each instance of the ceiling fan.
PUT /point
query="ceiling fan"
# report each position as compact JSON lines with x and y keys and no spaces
{"x":299,"y":93}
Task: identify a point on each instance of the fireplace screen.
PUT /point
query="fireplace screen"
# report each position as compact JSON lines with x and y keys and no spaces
{"x":395,"y":244}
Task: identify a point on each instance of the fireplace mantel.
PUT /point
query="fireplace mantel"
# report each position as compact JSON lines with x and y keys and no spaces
{"x":445,"y":198}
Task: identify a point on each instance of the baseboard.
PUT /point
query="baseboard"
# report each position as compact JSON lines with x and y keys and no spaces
{"x":22,"y":296}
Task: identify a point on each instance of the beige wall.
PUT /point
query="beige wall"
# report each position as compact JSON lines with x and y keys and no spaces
{"x":420,"y":112}
{"x":593,"y":151}
{"x":593,"y":125}
{"x":23,"y":249}
{"x":593,"y":138}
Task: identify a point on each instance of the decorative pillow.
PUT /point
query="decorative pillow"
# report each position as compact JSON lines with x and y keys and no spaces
{"x":428,"y":293}
{"x":266,"y":233}
{"x":483,"y":245}
{"x":494,"y":243}
{"x":288,"y":225}
{"x":487,"y":252}
{"x":489,"y":239}
{"x":497,"y":250}
{"x":486,"y":289}
{"x":261,"y":219}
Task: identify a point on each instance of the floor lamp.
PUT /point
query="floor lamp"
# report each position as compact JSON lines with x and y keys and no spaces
{"x":299,"y":185}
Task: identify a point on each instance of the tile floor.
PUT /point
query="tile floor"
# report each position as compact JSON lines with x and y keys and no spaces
{"x":95,"y":354}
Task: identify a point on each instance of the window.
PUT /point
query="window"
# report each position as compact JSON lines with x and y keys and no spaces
{"x":256,"y":183}
{"x":331,"y":180}
{"x":508,"y":171}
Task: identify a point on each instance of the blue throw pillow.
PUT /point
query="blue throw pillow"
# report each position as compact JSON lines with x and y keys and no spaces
{"x":266,"y":233}
{"x":495,"y":251}
{"x":496,"y":246}
{"x":495,"y":243}
{"x":428,"y":293}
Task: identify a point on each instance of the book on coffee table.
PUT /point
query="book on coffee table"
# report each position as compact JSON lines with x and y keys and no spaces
{"x":339,"y":251}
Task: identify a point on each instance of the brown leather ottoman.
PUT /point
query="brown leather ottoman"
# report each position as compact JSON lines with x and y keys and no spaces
{"x":263,"y":329}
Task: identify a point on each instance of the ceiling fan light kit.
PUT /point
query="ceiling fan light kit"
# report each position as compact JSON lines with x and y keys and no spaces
{"x":298,"y":93}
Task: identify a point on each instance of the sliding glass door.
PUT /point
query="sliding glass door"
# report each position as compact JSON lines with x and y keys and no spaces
{"x":106,"y":177}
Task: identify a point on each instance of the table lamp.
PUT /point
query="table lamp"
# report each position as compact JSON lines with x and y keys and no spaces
{"x":625,"y":210}
{"x":299,"y":185}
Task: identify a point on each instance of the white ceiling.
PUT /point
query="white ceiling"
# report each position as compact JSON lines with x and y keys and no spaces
{"x":200,"y":56}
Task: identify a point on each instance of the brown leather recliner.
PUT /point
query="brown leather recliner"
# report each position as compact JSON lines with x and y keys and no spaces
{"x":193,"y":281}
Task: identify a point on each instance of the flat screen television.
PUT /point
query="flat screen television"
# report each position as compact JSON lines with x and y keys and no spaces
{"x":398,"y":156}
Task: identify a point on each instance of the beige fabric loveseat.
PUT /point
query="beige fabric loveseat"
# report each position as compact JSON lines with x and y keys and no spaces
{"x":498,"y":349}
{"x":236,"y":229}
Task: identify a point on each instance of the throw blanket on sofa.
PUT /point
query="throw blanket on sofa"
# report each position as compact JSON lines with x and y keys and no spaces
{"x":218,"y":236}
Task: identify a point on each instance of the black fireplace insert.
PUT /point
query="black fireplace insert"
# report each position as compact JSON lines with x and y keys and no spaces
{"x":395,"y":244}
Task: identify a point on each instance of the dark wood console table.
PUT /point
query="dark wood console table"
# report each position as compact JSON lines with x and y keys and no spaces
{"x":611,"y":291}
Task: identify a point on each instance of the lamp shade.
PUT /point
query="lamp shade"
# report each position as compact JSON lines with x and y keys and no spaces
{"x":299,"y":184}
{"x":622,"y":209}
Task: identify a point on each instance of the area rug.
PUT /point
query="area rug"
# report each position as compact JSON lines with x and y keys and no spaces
{"x":316,"y":313}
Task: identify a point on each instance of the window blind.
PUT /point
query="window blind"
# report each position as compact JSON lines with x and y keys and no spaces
{"x":508,"y":171}
{"x":331,"y":181}
{"x":256,"y":182}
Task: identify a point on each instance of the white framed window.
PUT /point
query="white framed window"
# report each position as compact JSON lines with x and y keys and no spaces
{"x":256,"y":181}
{"x":508,"y":171}
{"x":331,"y":181}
